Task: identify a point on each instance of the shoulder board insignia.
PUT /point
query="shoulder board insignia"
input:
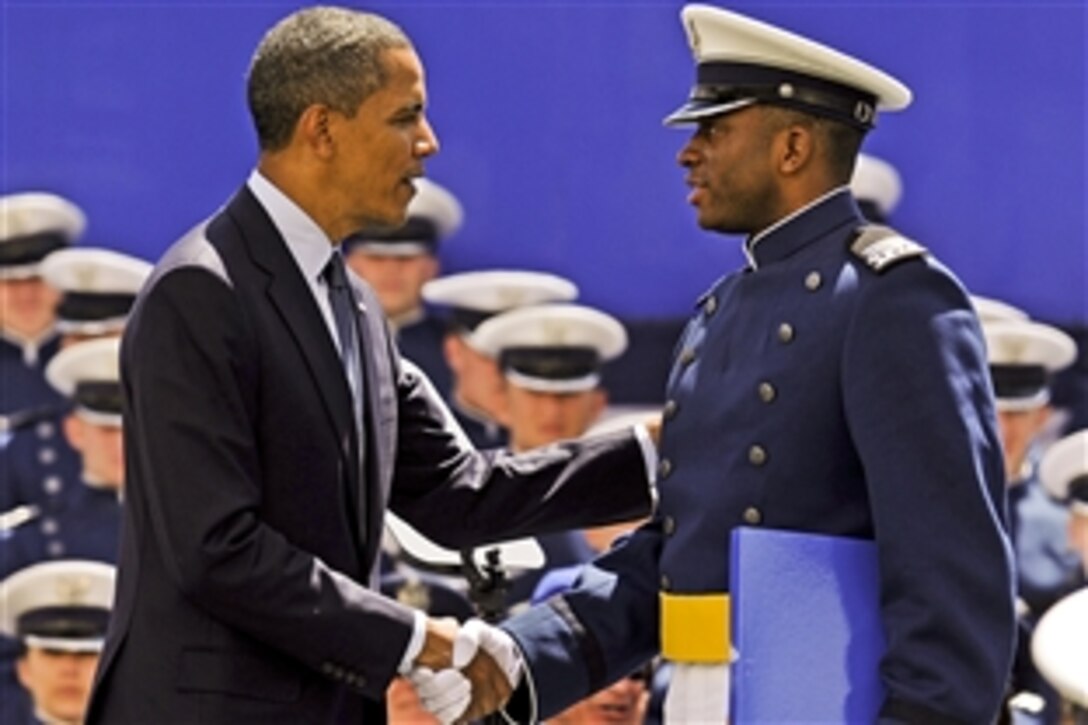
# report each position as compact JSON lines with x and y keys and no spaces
{"x":883,"y":247}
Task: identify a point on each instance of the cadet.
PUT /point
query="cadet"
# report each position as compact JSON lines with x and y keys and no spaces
{"x":86,"y":523}
{"x":31,"y":226}
{"x":98,"y":288}
{"x":1064,"y":475}
{"x":551,"y":356}
{"x":397,"y":263}
{"x":837,"y":384}
{"x":1023,"y":358}
{"x":477,"y":394}
{"x":58,"y":612}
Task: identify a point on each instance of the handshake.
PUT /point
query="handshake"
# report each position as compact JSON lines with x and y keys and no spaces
{"x":463,"y":673}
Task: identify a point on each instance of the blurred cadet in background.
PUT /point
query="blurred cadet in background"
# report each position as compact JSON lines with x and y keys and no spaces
{"x":477,"y":393}
{"x":876,"y":187}
{"x":97,"y":288}
{"x":398,"y":262}
{"x":1023,"y":356}
{"x":550,"y":356}
{"x":86,"y":522}
{"x":31,"y":226}
{"x":57,"y":613}
{"x":1063,"y":473}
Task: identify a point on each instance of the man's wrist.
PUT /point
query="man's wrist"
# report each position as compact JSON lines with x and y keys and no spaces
{"x":415,"y":642}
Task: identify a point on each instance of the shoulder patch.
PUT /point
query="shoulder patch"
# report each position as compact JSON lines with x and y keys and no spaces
{"x":882,"y":247}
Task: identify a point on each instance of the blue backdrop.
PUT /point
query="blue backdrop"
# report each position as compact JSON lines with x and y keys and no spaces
{"x":549,"y":117}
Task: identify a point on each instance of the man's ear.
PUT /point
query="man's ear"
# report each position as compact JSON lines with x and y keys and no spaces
{"x":313,"y":129}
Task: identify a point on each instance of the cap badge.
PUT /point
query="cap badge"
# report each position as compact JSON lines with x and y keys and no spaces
{"x":73,"y":589}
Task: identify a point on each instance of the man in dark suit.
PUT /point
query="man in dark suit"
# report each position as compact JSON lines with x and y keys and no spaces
{"x":268,"y":428}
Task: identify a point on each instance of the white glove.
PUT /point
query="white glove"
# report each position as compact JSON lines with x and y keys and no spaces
{"x":697,"y":694}
{"x":446,"y":693}
{"x":474,"y":634}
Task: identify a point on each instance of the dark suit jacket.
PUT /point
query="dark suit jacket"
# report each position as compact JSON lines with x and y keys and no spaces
{"x":247,"y":587}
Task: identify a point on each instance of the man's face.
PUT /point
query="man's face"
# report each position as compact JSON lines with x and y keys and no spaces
{"x":380,"y":149}
{"x":58,"y":682}
{"x":27,"y":306}
{"x":101,"y":448}
{"x":538,"y":418}
{"x":397,"y":280}
{"x":729,"y":160}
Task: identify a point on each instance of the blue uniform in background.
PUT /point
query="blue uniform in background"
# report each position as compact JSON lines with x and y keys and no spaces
{"x":819,"y":390}
{"x":421,"y":342}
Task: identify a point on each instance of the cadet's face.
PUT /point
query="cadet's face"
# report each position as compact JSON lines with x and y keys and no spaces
{"x":58,"y":682}
{"x":27,"y":306}
{"x":102,"y":449}
{"x":538,"y":419}
{"x":396,"y":280}
{"x":622,"y":703}
{"x":478,"y":382}
{"x":730,"y":172}
{"x":1018,"y":429}
{"x":382,"y":147}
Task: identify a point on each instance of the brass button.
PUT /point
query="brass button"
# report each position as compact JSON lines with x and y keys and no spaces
{"x":813,"y":280}
{"x":671,"y":406}
{"x":785,"y":332}
{"x":767,"y":393}
{"x":687,"y":356}
{"x":710,"y":306}
{"x":665,"y":583}
{"x":753,"y":516}
{"x":668,"y":525}
{"x":664,"y":468}
{"x":757,"y":455}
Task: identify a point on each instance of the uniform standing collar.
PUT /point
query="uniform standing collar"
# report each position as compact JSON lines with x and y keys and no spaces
{"x":797,"y":229}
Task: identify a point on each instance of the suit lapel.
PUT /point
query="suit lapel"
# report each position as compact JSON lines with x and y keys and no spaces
{"x":292,"y":299}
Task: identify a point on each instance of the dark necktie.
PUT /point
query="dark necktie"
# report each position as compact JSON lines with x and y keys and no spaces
{"x":345,"y":313}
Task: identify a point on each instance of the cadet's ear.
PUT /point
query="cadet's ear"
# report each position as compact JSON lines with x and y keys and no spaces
{"x":797,"y":146}
{"x":74,"y":432}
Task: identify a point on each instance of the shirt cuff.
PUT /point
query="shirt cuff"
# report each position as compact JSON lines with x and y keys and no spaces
{"x":649,"y":458}
{"x":415,"y":643}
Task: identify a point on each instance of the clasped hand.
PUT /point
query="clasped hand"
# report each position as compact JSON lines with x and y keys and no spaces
{"x":470,"y":678}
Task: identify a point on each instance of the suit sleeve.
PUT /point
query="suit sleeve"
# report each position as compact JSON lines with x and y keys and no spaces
{"x":459,"y":496}
{"x":190,"y":381}
{"x":920,"y":409}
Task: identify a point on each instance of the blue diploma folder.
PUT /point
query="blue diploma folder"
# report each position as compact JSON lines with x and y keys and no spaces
{"x":806,"y":627}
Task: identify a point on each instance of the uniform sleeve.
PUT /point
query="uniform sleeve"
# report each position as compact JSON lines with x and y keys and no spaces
{"x":190,"y":382}
{"x":599,"y":631}
{"x":919,"y":405}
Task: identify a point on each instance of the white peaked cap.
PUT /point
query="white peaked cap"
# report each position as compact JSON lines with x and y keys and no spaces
{"x":62,"y":604}
{"x":1059,"y":647}
{"x":741,"y":61}
{"x":1063,"y":463}
{"x":877,"y":181}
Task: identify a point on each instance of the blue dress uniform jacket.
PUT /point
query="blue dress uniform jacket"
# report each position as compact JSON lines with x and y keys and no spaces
{"x":22,"y":380}
{"x":422,"y":343}
{"x":38,"y":466}
{"x":813,"y":393}
{"x":247,"y":590}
